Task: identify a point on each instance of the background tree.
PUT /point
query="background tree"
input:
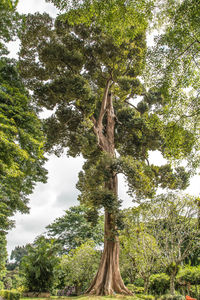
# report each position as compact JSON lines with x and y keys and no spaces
{"x":174,"y":62}
{"x":17,"y":254}
{"x":80,"y":266}
{"x":140,"y":247}
{"x":21,"y":138}
{"x":21,"y":158}
{"x":38,"y":266}
{"x":72,"y":230}
{"x":86,"y":66}
{"x":173,"y":222}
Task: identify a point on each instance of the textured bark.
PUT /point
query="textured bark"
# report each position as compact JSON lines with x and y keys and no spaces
{"x":108,"y":278}
{"x":172,"y":281}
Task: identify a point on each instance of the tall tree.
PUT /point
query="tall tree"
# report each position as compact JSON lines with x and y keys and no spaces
{"x":86,"y":66}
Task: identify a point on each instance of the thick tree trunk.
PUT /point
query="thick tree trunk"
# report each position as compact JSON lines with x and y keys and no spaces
{"x":108,"y":279}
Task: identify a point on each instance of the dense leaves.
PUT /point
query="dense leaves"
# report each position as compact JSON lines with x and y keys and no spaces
{"x":80,"y":266}
{"x":21,"y":142}
{"x":9,"y":24}
{"x":38,"y":266}
{"x":72,"y":230}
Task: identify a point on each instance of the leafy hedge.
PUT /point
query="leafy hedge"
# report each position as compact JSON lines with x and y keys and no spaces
{"x":172,"y":297}
{"x":159,"y":284}
{"x":190,"y":275}
{"x":135,"y":289}
{"x":10,"y":295}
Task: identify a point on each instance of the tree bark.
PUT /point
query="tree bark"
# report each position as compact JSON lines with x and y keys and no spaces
{"x":108,"y":279}
{"x":172,"y":281}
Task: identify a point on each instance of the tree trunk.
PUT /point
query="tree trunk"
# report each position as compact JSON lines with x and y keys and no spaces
{"x":146,"y":285}
{"x":172,"y":281}
{"x":108,"y":279}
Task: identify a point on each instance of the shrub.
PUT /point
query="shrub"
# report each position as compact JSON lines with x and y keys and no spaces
{"x":1,"y":285}
{"x":172,"y":297}
{"x":189,"y":275}
{"x":159,"y":284}
{"x":135,"y":289}
{"x":139,"y":281}
{"x":146,"y":297}
{"x":194,"y":291}
{"x":10,"y":295}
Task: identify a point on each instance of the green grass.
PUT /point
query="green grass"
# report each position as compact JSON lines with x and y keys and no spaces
{"x":117,"y":297}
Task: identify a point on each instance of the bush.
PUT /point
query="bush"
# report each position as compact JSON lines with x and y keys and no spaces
{"x":189,"y":275}
{"x":139,"y":281}
{"x":1,"y":285}
{"x":194,"y":291}
{"x":172,"y":297}
{"x":146,"y":297}
{"x":10,"y":295}
{"x":159,"y":284}
{"x":135,"y":289}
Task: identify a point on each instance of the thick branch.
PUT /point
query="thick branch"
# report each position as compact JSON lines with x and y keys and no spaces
{"x":103,"y":104}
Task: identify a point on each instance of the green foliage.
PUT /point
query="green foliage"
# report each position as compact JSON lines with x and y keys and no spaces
{"x":17,"y":254}
{"x":21,"y":144}
{"x":189,"y":275}
{"x":67,"y":66}
{"x":140,"y":252}
{"x":38,"y":266}
{"x":9,"y":24}
{"x":159,"y":284}
{"x":120,"y":19}
{"x":80,"y":266}
{"x":172,"y":297}
{"x":145,"y":297}
{"x":174,"y":65}
{"x":135,"y":289}
{"x":3,"y":256}
{"x":195,"y":291}
{"x":73,"y":229}
{"x":10,"y":295}
{"x":1,"y":285}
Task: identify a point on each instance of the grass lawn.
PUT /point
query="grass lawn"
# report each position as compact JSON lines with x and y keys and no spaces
{"x":117,"y":297}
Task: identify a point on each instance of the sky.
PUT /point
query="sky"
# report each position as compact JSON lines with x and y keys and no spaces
{"x":50,"y":200}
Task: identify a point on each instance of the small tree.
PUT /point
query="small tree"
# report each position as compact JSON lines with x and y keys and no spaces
{"x":173,"y":222}
{"x":38,"y":266}
{"x":80,"y":266}
{"x":139,"y":247}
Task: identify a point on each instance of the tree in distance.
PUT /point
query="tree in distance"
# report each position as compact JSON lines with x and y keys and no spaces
{"x":173,"y":221}
{"x":87,"y":66}
{"x":73,"y":229}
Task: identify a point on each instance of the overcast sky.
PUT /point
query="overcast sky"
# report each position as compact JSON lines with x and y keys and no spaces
{"x":51,"y":199}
